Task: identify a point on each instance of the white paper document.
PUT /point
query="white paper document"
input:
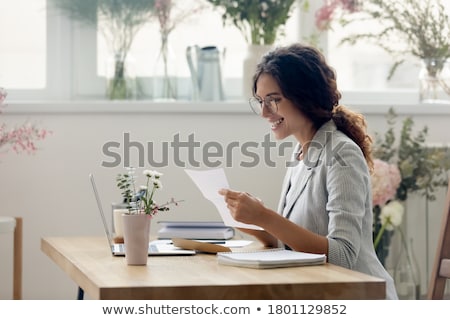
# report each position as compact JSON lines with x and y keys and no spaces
{"x":210,"y":182}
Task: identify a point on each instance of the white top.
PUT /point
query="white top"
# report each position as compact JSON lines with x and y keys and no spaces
{"x":296,"y":172}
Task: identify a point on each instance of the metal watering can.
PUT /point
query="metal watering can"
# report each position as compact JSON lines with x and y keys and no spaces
{"x":206,"y":74}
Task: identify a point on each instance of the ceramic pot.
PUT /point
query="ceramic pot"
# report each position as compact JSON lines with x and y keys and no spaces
{"x":254,"y":54}
{"x":136,"y":232}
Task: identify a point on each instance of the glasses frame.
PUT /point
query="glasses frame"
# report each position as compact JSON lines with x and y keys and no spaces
{"x":270,"y":102}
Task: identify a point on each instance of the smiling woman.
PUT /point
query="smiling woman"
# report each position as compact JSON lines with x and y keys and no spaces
{"x":318,"y":211}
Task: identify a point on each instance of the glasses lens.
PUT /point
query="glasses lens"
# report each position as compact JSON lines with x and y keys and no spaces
{"x":255,"y":104}
{"x":271,"y":104}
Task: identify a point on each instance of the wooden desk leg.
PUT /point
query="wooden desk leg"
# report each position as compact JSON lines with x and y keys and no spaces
{"x":17,"y":264}
{"x":80,"y":294}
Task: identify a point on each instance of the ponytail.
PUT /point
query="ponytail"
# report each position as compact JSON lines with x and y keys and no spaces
{"x":354,"y":126}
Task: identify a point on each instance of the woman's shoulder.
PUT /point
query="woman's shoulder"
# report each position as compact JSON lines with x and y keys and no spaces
{"x":343,"y":150}
{"x":337,"y":138}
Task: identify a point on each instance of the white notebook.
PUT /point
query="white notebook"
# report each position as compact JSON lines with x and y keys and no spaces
{"x":271,"y":258}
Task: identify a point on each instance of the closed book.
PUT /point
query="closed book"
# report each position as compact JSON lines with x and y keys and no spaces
{"x":271,"y":258}
{"x":195,"y":230}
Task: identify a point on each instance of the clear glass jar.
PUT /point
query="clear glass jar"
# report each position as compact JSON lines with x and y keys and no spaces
{"x":121,"y":80}
{"x":434,"y":78}
{"x":407,"y":273}
{"x":165,"y":73}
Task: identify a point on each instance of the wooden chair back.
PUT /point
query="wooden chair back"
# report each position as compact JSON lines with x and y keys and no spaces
{"x":14,"y":224}
{"x":441,"y":268}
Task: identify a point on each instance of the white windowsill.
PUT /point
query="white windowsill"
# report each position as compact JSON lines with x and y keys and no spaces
{"x":229,"y":107}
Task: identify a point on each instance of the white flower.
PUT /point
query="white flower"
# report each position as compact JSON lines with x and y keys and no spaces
{"x":152,"y":173}
{"x":157,"y":174}
{"x":147,"y":173}
{"x":157,"y":183}
{"x":142,"y":201}
{"x":392,"y":214}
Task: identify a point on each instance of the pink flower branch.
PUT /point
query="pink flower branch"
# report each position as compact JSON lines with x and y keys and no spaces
{"x":22,"y":138}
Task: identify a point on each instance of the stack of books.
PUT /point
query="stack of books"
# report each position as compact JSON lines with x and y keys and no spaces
{"x":209,"y":230}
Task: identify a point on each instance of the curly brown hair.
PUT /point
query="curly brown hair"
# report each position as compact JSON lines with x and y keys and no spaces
{"x":306,"y":79}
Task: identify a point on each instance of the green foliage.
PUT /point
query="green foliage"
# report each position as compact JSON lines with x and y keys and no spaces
{"x":258,"y":20}
{"x":126,"y":186}
{"x":420,"y":28}
{"x":141,"y":201}
{"x":423,"y":168}
{"x":118,"y":20}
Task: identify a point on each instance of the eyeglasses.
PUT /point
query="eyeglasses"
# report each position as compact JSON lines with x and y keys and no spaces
{"x":270,"y":102}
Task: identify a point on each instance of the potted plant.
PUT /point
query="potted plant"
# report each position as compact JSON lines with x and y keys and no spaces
{"x":118,"y":22}
{"x":141,"y":208}
{"x":260,"y":23}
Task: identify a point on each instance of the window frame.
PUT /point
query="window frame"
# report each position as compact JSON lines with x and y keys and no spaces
{"x":58,"y":57}
{"x":72,"y":58}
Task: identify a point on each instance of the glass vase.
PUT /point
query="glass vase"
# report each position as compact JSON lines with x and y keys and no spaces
{"x":164,"y":74}
{"x":382,"y":248}
{"x":434,"y":78}
{"x":407,"y":272}
{"x":121,"y":80}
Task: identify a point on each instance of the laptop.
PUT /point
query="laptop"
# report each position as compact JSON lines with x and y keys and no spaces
{"x":155,"y":248}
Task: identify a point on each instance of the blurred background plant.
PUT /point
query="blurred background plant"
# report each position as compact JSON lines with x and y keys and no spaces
{"x":387,"y":212}
{"x":334,"y":10}
{"x":417,"y":28}
{"x":169,"y":14}
{"x":118,"y":21}
{"x":423,"y":167}
{"x":259,"y":21}
{"x":403,"y":165}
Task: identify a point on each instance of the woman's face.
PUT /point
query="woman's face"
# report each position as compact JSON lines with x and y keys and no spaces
{"x":286,"y":120}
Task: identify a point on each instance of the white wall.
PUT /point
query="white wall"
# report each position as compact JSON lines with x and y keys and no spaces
{"x":51,"y":190}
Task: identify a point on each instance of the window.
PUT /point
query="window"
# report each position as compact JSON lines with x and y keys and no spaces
{"x":57,"y":58}
{"x":205,"y":28}
{"x":62,"y":59}
{"x":365,"y":67}
{"x":23,"y":44}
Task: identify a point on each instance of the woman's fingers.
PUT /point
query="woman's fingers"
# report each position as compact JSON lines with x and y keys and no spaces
{"x":229,"y":194}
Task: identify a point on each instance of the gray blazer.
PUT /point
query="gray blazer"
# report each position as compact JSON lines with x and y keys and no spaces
{"x":333,"y":198}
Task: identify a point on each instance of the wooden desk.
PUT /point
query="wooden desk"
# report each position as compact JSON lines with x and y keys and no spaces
{"x":88,"y":262}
